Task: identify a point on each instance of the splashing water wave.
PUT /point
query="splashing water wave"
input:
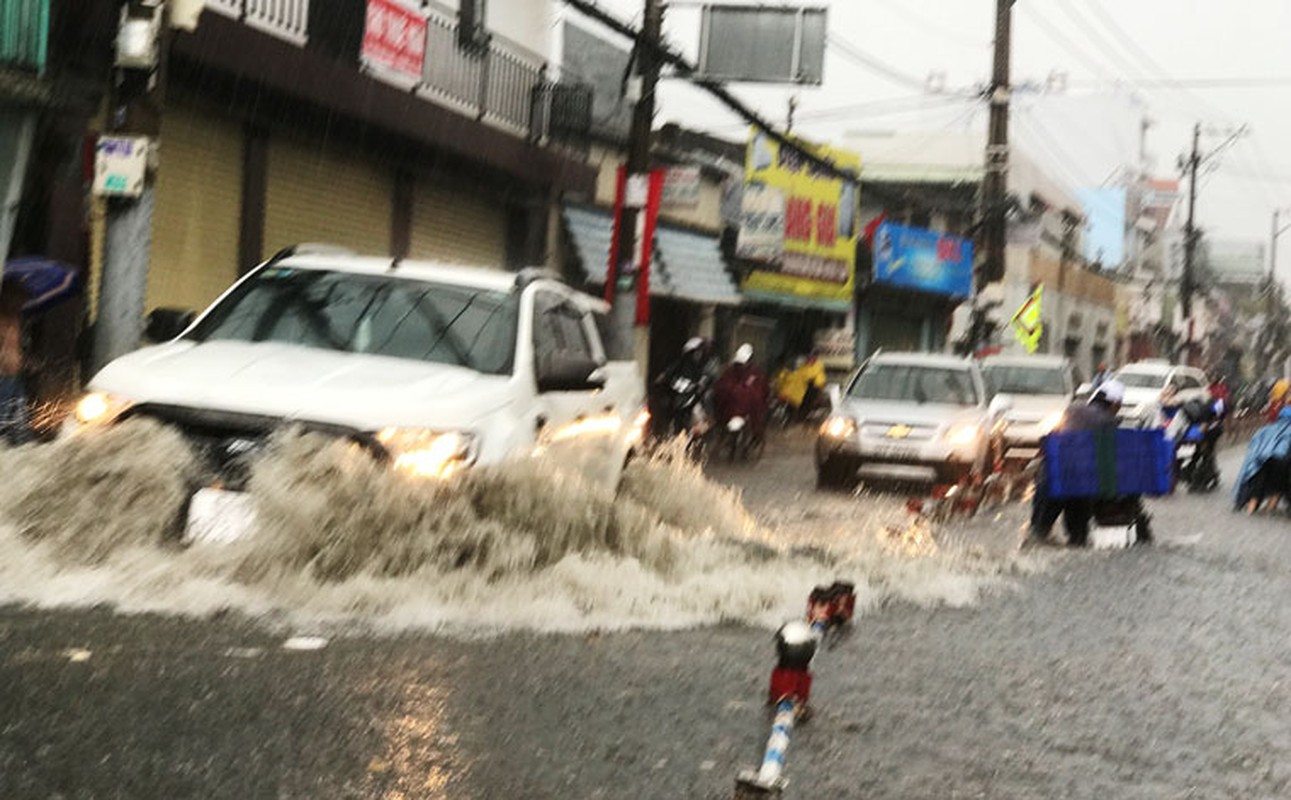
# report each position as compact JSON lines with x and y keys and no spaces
{"x":340,"y":540}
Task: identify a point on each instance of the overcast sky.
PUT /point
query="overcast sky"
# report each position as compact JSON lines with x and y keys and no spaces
{"x":1224,"y":63}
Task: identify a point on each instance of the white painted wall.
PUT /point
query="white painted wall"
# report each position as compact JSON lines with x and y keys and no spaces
{"x":529,"y":23}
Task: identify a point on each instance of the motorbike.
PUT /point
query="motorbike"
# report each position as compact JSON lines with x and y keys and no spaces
{"x":688,"y":414}
{"x":740,"y":443}
{"x":1194,"y":427}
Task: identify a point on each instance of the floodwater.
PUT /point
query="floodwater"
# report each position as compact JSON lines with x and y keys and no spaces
{"x":340,"y":541}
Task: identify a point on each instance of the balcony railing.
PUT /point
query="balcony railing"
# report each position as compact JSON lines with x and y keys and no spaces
{"x":494,"y":81}
{"x":24,"y":33}
{"x":286,"y":19}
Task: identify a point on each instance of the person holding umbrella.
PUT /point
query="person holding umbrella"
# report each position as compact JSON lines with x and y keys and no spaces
{"x":14,"y":426}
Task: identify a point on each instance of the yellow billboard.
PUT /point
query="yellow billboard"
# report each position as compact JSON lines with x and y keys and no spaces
{"x":799,"y":223}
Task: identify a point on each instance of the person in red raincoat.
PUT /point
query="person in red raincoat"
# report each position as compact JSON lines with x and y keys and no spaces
{"x":743,"y":391}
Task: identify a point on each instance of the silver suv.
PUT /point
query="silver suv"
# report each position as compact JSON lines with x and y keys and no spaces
{"x":919,"y":416}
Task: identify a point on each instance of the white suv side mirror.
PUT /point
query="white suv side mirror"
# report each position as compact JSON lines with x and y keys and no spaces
{"x":1001,"y":404}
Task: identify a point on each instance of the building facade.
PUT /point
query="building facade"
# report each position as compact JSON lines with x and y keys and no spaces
{"x":426,"y":131}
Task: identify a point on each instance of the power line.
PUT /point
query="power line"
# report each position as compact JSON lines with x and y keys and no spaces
{"x":1187,"y":84}
{"x":1098,"y":40}
{"x":925,"y":24}
{"x":877,"y":66}
{"x":1060,"y":39}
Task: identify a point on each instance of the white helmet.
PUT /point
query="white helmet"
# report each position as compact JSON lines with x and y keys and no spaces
{"x":743,"y":353}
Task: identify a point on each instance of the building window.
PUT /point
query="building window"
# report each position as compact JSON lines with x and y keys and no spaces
{"x":471,"y":31}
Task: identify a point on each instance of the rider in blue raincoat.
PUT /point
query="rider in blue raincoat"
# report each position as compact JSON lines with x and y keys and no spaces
{"x":1265,"y":472}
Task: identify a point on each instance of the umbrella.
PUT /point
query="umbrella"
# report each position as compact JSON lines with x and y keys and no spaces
{"x":47,"y":282}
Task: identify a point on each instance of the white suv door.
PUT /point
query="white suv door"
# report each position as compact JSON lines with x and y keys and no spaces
{"x":571,"y":425}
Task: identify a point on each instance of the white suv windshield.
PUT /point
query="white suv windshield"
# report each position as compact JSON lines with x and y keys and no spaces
{"x":915,"y":384}
{"x":375,"y":314}
{"x":1141,"y":380}
{"x":1016,"y":379}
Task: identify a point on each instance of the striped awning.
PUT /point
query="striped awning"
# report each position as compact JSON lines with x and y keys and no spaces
{"x":685,"y":265}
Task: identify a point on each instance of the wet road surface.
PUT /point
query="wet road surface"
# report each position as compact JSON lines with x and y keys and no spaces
{"x":1158,"y":672}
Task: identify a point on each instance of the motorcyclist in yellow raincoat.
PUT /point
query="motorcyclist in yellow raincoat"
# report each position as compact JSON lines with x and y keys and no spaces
{"x":802,"y":387}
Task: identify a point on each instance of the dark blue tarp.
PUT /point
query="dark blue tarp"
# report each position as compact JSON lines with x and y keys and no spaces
{"x":1108,"y":463}
{"x":47,"y":282}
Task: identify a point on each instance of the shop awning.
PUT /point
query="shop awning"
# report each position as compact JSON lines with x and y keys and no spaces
{"x":685,"y":265}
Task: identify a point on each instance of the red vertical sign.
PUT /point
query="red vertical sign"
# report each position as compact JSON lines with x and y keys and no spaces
{"x":653,"y":197}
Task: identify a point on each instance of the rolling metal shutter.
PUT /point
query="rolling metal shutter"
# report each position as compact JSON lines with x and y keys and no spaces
{"x":317,"y":194}
{"x":196,"y":219}
{"x":449,"y":224}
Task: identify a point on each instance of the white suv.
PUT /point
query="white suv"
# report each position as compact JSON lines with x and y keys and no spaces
{"x":910,"y":415}
{"x":431,"y":368}
{"x":1146,"y":380}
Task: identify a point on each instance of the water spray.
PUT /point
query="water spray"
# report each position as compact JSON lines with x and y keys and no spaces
{"x":828,"y":608}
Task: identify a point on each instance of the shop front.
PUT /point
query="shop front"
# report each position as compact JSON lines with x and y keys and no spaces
{"x":915,"y":280}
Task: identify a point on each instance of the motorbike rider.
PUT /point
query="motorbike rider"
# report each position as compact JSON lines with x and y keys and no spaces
{"x":1098,"y":413}
{"x":802,"y":388}
{"x":1266,"y":470}
{"x":743,"y":391}
{"x":687,"y":386}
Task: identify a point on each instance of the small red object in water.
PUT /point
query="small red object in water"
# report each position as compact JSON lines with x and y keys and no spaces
{"x":787,"y":682}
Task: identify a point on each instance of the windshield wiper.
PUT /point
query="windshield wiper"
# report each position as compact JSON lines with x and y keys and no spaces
{"x":462,"y":356}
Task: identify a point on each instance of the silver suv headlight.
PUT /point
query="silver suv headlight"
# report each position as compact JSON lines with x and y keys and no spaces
{"x":962,"y":435}
{"x":838,"y":427}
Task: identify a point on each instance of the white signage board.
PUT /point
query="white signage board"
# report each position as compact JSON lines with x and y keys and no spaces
{"x":120,"y":165}
{"x":680,"y":187}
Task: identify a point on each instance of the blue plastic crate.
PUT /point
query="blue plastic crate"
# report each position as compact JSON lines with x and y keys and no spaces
{"x":1108,"y":463}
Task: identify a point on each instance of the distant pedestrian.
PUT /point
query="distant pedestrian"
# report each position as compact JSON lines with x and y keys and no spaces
{"x":14,"y":426}
{"x":1100,"y":375}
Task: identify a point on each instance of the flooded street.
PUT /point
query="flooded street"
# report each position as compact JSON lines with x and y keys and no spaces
{"x":631,"y":661}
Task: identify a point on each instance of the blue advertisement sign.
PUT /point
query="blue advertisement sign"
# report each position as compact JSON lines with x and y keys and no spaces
{"x":914,"y":258}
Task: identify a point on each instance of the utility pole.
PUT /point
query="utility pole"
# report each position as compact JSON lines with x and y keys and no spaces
{"x":995,"y":184}
{"x":135,"y":102}
{"x":648,"y":60}
{"x":1271,"y":298}
{"x":1186,"y":284}
{"x":990,"y":267}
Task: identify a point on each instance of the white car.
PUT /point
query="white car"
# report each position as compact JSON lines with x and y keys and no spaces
{"x":919,"y":416}
{"x":431,"y":368}
{"x":1145,"y":381}
{"x":1038,"y":390}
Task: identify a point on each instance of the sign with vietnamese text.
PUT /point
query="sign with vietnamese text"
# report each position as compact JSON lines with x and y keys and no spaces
{"x":120,"y":166}
{"x":915,"y":258}
{"x":394,"y":38}
{"x":810,"y":216}
{"x":681,"y":187}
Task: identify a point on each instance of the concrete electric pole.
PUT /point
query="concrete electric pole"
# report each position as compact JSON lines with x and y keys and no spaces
{"x":648,"y":61}
{"x":1186,"y":283}
{"x":995,"y":183}
{"x":136,"y":98}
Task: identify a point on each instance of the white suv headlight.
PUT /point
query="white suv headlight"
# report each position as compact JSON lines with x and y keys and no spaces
{"x":428,"y":454}
{"x":99,"y":408}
